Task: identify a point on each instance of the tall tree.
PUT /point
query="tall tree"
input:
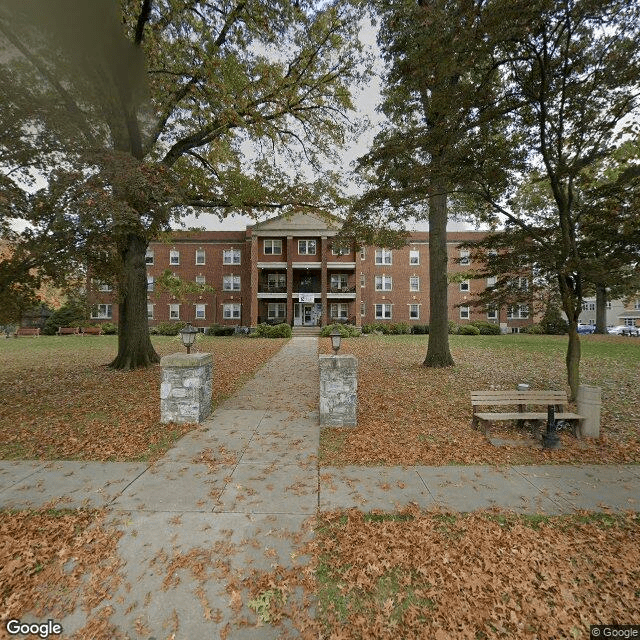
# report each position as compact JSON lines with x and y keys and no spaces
{"x":151,"y":111}
{"x":574,"y":70}
{"x":440,"y":87}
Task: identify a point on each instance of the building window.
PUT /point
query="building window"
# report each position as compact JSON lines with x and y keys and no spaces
{"x":230,"y":311}
{"x":307,"y":247}
{"x":414,"y":311}
{"x":150,"y":311}
{"x":588,"y":306}
{"x":174,"y":312}
{"x":276,"y":310}
{"x":104,"y":287}
{"x":608,"y":305}
{"x":414,"y":283}
{"x":272,"y":247}
{"x":384,"y":283}
{"x":231,"y":256}
{"x":629,"y":322}
{"x":339,"y":281}
{"x":383,"y":311}
{"x":102,"y":312}
{"x":492,"y":281}
{"x":199,"y":256}
{"x":383,"y":256}
{"x":200,"y":279}
{"x":492,"y":312}
{"x":363,"y":253}
{"x":362,"y":279}
{"x":339,"y":310}
{"x":362,"y":308}
{"x":464,"y":313}
{"x":276,"y":281}
{"x":465,"y":256}
{"x":200,"y":311}
{"x":149,"y":257}
{"x":174,"y":257}
{"x":518,"y":312}
{"x":150,"y":283}
{"x":521,"y":283}
{"x":414,"y":256}
{"x":231,"y":283}
{"x":464,"y":285}
{"x":340,"y":250}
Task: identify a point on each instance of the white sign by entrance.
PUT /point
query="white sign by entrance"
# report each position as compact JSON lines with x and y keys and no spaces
{"x":306,"y":297}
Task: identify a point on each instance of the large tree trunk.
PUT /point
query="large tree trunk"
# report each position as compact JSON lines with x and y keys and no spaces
{"x":438,"y":354}
{"x":601,"y":309}
{"x":573,"y":359}
{"x":134,"y":344}
{"x":572,"y":305}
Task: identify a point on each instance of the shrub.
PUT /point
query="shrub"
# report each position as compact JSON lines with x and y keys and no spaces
{"x":486,"y":328}
{"x":109,"y":328}
{"x":220,"y":330}
{"x":552,"y":321}
{"x":169,"y":328}
{"x":420,"y":329}
{"x":453,"y":328}
{"x":346,"y":330}
{"x":373,"y":326}
{"x":70,"y":315}
{"x":282,"y":330}
{"x":468,"y":330}
{"x":535,"y":329}
{"x":400,"y":328}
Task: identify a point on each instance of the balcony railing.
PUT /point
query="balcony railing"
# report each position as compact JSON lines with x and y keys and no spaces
{"x":265,"y":287}
{"x":342,"y":289}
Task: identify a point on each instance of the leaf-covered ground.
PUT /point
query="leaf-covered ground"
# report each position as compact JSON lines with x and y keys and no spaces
{"x":409,"y":414}
{"x":59,"y":401}
{"x":475,"y":576}
{"x":52,"y":561}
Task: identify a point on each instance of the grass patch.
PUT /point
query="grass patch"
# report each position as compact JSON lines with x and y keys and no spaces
{"x":409,"y":414}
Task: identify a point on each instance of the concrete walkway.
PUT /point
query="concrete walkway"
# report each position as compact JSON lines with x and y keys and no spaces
{"x":238,"y":494}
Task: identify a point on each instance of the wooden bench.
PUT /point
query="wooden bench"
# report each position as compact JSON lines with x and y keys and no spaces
{"x":27,"y":331}
{"x":68,"y":331}
{"x":91,"y":331}
{"x":522,"y":400}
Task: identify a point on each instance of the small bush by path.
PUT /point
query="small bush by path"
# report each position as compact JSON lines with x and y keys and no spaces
{"x":409,"y":414}
{"x":59,"y":401}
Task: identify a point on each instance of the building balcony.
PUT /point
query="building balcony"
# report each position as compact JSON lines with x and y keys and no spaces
{"x":265,"y":287}
{"x":348,"y":293}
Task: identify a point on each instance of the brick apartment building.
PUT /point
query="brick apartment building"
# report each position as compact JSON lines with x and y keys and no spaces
{"x":287,"y":269}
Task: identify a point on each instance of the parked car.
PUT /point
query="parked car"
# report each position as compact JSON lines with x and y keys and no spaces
{"x":586,"y":328}
{"x":623,"y":330}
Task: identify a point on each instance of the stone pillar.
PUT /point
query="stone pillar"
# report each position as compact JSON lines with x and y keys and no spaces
{"x":588,"y":403}
{"x":338,"y":390}
{"x":185,"y":390}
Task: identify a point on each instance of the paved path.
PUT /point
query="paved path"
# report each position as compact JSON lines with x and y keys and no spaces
{"x":237,"y":494}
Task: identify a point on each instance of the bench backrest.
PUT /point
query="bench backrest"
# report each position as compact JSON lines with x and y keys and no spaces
{"x":27,"y":331}
{"x":505,"y":397}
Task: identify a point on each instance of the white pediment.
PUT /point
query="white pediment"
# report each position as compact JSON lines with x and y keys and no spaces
{"x":299,"y":224}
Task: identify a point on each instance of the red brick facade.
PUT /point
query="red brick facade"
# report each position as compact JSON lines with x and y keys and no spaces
{"x":287,"y":270}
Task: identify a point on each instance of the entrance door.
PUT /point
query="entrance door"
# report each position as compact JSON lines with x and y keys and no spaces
{"x":308,"y":314}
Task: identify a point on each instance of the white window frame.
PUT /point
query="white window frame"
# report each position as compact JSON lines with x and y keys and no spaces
{"x":274,"y":246}
{"x":465,"y":256}
{"x":200,"y":279}
{"x":416,"y":308}
{"x":200,"y":254}
{"x":103,"y":312}
{"x":465,"y":314}
{"x":414,"y":256}
{"x":363,"y":280}
{"x":104,"y":287}
{"x":231,"y":282}
{"x":150,"y":307}
{"x":307,"y":244}
{"x":201,"y":311}
{"x":518,"y":312}
{"x":363,"y":253}
{"x":492,"y":281}
{"x":465,"y":285}
{"x":384,"y":283}
{"x":277,"y":279}
{"x":231,"y":310}
{"x":342,"y":280}
{"x":342,"y":250}
{"x":414,"y":283}
{"x":277,"y":307}
{"x":492,"y":312}
{"x":384,"y":256}
{"x":636,"y":304}
{"x":381,"y":309}
{"x":231,"y":256}
{"x":174,"y":312}
{"x":149,"y":257}
{"x":337,"y":309}
{"x":151,"y":282}
{"x":174,"y":257}
{"x":363,"y":308}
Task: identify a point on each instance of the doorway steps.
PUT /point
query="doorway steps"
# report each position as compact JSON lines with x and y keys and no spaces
{"x":306,"y":332}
